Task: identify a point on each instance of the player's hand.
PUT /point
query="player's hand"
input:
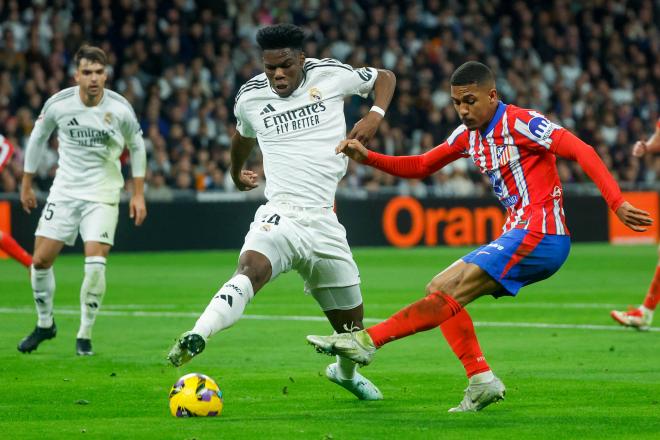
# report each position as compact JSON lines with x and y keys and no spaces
{"x":634,"y":218}
{"x":137,"y":209}
{"x":28,"y":198}
{"x":365,"y":128}
{"x":639,"y":149}
{"x":246,"y":181}
{"x":353,"y":149}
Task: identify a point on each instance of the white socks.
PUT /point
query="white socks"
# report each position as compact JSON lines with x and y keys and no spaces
{"x":484,"y":377}
{"x":91,"y":294}
{"x":346,"y":368}
{"x":646,"y":311}
{"x":226,"y":307}
{"x":43,"y":290}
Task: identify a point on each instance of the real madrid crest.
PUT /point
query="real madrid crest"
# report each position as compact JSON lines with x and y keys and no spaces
{"x":107,"y":118}
{"x":315,"y":94}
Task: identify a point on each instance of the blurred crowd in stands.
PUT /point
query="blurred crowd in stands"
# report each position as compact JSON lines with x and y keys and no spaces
{"x":591,"y":66}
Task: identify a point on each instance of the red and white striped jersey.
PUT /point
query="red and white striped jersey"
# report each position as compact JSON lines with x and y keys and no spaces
{"x":516,"y":152}
{"x":6,"y":150}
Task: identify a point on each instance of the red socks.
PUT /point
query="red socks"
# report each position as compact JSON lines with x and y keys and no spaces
{"x":653,"y":297}
{"x":9,"y":245}
{"x":459,"y":333}
{"x":425,"y":314}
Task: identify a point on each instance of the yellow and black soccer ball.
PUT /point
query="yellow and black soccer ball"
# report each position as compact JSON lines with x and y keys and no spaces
{"x":195,"y":395}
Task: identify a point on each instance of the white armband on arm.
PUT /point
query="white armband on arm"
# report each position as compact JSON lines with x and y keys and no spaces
{"x":376,"y":109}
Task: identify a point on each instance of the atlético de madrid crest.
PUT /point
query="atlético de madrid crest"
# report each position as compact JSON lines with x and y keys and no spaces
{"x":315,"y":94}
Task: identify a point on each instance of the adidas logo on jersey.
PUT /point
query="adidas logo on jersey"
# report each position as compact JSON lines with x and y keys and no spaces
{"x":268,"y":109}
{"x":72,"y":122}
{"x":105,"y":235}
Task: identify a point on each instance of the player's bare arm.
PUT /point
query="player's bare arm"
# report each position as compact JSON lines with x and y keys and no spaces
{"x":365,"y":128}
{"x":137,"y":206}
{"x":28,"y":198}
{"x":354,"y":149}
{"x":652,"y":145}
{"x":241,"y":147}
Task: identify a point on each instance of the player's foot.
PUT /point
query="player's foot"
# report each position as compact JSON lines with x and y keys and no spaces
{"x":84,"y":347}
{"x":38,"y":335}
{"x":355,"y":345}
{"x":186,"y":347}
{"x":358,"y":385}
{"x":635,"y":318}
{"x":478,"y":396}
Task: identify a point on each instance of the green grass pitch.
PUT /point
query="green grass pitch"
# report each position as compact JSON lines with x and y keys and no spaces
{"x":571,"y":372}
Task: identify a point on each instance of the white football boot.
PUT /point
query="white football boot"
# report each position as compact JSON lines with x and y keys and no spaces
{"x":355,"y":345}
{"x":359,"y":385}
{"x":186,"y":347}
{"x":478,"y":396}
{"x":639,"y":318}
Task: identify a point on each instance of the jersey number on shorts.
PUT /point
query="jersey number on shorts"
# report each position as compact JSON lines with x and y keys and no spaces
{"x":49,"y":211}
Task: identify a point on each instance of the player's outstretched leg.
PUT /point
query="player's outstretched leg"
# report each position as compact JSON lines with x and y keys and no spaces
{"x":360,"y":346}
{"x":223,"y":311}
{"x":484,"y":389}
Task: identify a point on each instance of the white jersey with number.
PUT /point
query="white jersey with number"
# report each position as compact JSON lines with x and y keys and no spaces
{"x":90,"y":141}
{"x":298,"y":134}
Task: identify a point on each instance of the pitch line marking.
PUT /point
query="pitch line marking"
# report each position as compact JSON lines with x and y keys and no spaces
{"x":147,"y":314}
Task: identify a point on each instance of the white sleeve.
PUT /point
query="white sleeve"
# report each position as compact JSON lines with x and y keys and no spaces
{"x":38,"y":141}
{"x":135,"y":144}
{"x":356,"y":81}
{"x":242,"y":123}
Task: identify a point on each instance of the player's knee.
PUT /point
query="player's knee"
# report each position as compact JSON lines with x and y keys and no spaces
{"x":259,"y":274}
{"x":445,"y":285}
{"x":39,"y":262}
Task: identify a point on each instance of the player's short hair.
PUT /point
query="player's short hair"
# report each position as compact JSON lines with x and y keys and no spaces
{"x":472,"y":72}
{"x":90,"y":53}
{"x":281,"y":36}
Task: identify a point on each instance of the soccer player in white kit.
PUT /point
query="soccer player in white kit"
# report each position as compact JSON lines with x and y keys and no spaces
{"x":295,"y":110}
{"x":93,"y":126}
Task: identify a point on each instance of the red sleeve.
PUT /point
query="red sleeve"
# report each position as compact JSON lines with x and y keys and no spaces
{"x":569,"y":146}
{"x":415,"y":167}
{"x":6,"y":150}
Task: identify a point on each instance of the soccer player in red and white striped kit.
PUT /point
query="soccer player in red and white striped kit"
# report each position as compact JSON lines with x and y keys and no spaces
{"x":516,"y":148}
{"x":7,"y":242}
{"x":641,"y":317}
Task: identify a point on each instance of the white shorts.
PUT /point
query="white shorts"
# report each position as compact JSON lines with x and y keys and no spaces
{"x":309,"y":240}
{"x":62,"y":218}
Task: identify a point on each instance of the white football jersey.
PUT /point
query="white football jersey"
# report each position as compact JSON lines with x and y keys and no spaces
{"x":91,"y":139}
{"x":298,"y":134}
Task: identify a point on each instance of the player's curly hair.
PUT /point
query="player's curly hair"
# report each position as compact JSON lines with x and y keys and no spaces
{"x":472,"y":72}
{"x":90,"y":53}
{"x":281,"y":36}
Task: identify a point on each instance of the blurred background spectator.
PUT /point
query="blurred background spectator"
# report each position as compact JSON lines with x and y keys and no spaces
{"x":593,"y":67}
